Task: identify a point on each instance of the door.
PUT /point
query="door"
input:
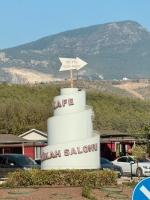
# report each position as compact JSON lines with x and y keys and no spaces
{"x":123,"y":162}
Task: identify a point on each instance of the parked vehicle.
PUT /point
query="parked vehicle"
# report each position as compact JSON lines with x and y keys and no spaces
{"x":17,"y":161}
{"x":107,"y":165}
{"x":143,"y":168}
{"x":38,"y":161}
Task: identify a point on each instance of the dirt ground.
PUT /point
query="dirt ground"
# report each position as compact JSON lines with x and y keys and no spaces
{"x":47,"y":193}
{"x":23,"y":76}
{"x":131,"y":87}
{"x":75,"y":193}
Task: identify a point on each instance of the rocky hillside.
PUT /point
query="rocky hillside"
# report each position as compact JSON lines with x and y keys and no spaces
{"x":134,"y":88}
{"x":112,"y":51}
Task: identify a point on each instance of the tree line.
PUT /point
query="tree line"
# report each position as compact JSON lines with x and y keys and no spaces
{"x":23,"y":107}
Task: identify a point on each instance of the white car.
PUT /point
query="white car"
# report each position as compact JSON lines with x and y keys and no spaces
{"x":143,"y":168}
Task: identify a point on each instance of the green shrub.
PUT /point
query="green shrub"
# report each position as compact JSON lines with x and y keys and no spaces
{"x":3,"y":185}
{"x":131,"y":184}
{"x":86,"y":192}
{"x":96,"y":178}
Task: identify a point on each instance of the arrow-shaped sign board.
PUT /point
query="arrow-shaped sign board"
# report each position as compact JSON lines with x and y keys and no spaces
{"x":71,"y":63}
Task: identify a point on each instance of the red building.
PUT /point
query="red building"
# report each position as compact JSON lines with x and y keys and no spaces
{"x":28,"y":143}
{"x":115,"y":143}
{"x":112,"y":143}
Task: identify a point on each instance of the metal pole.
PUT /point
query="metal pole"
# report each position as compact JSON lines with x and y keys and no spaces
{"x":131,"y":170}
{"x":71,"y":79}
{"x":111,"y":151}
{"x":23,"y":148}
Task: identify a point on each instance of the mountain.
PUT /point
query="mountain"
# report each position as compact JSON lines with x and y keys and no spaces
{"x":112,"y":51}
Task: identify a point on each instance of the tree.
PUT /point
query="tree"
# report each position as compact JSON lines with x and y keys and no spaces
{"x":138,"y":152}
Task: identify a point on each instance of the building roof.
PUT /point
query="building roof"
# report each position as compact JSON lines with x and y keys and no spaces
{"x":105,"y":135}
{"x":30,"y":144}
{"x":13,"y":139}
{"x":10,"y":138}
{"x":33,"y":130}
{"x":108,"y":136}
{"x":113,"y":133}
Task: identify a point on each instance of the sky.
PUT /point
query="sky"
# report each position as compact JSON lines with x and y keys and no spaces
{"x":24,"y":21}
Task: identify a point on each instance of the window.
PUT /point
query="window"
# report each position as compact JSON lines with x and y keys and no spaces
{"x":37,"y":152}
{"x":122,"y":159}
{"x":6,"y":161}
{"x":129,"y":159}
{"x":144,"y":160}
{"x":105,"y":161}
{"x":11,"y":162}
{"x":2,"y":161}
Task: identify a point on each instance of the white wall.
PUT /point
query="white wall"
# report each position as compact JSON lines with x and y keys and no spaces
{"x":88,"y":160}
{"x":71,"y":129}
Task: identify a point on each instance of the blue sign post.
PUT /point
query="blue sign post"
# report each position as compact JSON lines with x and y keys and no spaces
{"x":142,"y":190}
